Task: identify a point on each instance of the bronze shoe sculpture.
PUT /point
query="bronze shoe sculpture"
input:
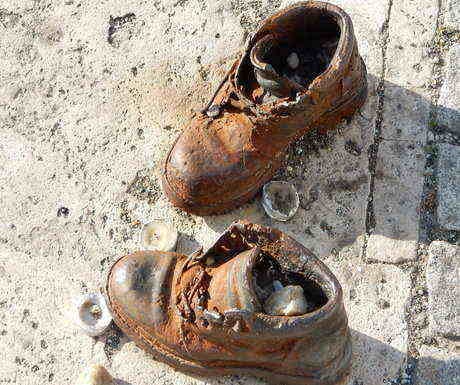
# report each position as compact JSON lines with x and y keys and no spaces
{"x":301,"y":70}
{"x":205,"y":314}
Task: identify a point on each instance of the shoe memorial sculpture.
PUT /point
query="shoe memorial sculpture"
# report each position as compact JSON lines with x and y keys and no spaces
{"x":256,"y":302}
{"x":301,"y":70}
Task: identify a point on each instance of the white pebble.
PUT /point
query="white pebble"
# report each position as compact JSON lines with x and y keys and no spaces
{"x":160,"y":236}
{"x":293,"y":60}
{"x":92,"y":314}
{"x":95,"y":375}
{"x":288,"y":301}
{"x":277,"y":285}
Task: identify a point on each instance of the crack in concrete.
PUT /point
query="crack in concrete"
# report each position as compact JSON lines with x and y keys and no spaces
{"x":374,"y":147}
{"x":417,"y":273}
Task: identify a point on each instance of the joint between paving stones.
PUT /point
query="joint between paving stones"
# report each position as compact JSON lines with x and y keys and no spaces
{"x":416,"y":313}
{"x":374,"y":147}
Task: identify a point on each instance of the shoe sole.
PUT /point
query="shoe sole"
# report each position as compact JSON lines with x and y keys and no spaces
{"x":163,"y":354}
{"x":329,"y":121}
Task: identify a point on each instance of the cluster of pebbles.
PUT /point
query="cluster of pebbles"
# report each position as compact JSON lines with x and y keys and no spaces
{"x":301,"y":66}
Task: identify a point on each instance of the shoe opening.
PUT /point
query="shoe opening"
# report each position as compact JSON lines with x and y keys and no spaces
{"x":290,"y":53}
{"x":285,"y":292}
{"x":282,"y":271}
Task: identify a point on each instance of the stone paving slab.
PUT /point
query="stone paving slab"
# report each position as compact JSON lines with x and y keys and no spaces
{"x":399,"y":173}
{"x":449,"y":98}
{"x":443,"y":280}
{"x":449,"y":186}
{"x":397,"y":193}
{"x":407,"y":70}
{"x":375,"y":297}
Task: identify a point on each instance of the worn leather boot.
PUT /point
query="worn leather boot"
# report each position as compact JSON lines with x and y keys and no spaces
{"x":301,"y":70}
{"x":204,"y":314}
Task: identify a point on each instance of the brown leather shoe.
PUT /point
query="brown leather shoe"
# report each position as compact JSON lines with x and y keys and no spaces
{"x":203,"y":314}
{"x":238,"y":141}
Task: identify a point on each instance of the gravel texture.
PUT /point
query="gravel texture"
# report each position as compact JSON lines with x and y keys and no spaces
{"x":92,"y":96}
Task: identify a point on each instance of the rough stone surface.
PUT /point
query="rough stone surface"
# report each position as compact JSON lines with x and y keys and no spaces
{"x":449,"y":186}
{"x":442,"y":276}
{"x":93,"y":95}
{"x":375,"y":298}
{"x":449,"y":97}
{"x":397,"y":192}
{"x":407,"y":70}
{"x":400,"y":165}
{"x":453,"y":14}
{"x":438,"y":366}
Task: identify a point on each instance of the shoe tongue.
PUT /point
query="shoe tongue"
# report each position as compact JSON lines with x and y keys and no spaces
{"x":232,"y":284}
{"x":265,"y":56}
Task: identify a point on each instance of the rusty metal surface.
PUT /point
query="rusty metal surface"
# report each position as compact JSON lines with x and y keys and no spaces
{"x":201,"y":313}
{"x":233,"y":147}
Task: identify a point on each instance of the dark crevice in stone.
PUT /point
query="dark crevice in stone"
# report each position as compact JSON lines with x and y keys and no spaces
{"x":116,"y":23}
{"x":144,"y":186}
{"x":374,"y":147}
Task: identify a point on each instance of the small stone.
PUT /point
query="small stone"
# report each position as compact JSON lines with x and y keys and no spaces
{"x":277,"y":285}
{"x":383,"y":304}
{"x":293,"y":60}
{"x":92,"y":314}
{"x":158,"y":235}
{"x":210,"y":261}
{"x":63,"y":212}
{"x":269,"y":98}
{"x":449,"y":186}
{"x":213,"y":111}
{"x":288,"y":301}
{"x":280,"y":200}
{"x":443,"y":288}
{"x":95,"y":375}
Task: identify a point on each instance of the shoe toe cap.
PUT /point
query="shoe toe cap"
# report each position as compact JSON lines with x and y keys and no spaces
{"x":192,"y":177}
{"x":137,"y":284}
{"x":202,"y":175}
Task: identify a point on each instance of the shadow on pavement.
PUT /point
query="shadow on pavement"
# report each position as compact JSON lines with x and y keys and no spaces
{"x":332,"y":175}
{"x":121,"y":382}
{"x":372,"y":362}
